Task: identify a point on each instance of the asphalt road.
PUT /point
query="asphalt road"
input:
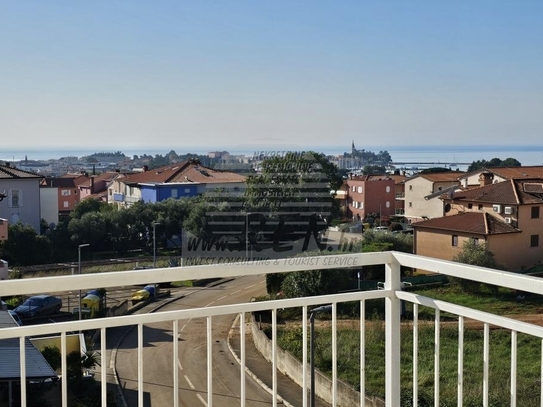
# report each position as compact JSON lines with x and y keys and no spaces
{"x":192,"y":365}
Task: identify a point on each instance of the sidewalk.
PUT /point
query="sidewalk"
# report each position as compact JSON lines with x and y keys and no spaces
{"x":261,"y":370}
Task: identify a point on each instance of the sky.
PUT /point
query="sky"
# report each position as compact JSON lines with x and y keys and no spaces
{"x":116,"y":75}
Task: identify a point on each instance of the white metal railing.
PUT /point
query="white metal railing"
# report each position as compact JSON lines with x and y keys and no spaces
{"x":391,"y":293}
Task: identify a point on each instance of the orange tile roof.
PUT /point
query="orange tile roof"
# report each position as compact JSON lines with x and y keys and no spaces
{"x":187,"y":171}
{"x":479,"y":223}
{"x":512,"y":192}
{"x":535,"y":171}
{"x":442,"y":176}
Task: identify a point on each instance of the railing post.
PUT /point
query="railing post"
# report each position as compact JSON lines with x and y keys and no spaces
{"x":392,"y":332}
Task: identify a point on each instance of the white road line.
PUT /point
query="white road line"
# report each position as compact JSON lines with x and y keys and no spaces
{"x":189,"y":382}
{"x":211,"y":303}
{"x":202,"y":399}
{"x":222,"y":298}
{"x":235,"y":292}
{"x":179,"y":364}
{"x":250,"y":286}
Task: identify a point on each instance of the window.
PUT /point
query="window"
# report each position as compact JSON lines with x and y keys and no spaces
{"x":15,"y":198}
{"x":65,"y":192}
{"x":535,"y":212}
{"x":354,"y":188}
{"x":174,"y":193}
{"x":387,"y":189}
{"x":359,"y":190}
{"x":410,"y":204}
{"x":387,"y":204}
{"x":480,"y":207}
{"x":66,"y":204}
{"x":476,"y":240}
{"x":411,"y":187}
{"x":455,"y":240}
{"x":534,"y":241}
{"x":470,"y":205}
{"x":187,"y":190}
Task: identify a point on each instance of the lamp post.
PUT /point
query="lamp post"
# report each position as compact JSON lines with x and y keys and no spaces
{"x":154,"y":243}
{"x":154,"y":253}
{"x":79,"y":271}
{"x":324,"y":308}
{"x":247,"y":235}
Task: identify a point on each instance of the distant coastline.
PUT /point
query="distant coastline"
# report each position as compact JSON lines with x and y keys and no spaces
{"x":526,"y":154}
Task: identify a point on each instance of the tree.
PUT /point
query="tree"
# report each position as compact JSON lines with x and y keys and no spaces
{"x":476,"y":254}
{"x":25,"y":247}
{"x":494,"y":162}
{"x":373,"y":169}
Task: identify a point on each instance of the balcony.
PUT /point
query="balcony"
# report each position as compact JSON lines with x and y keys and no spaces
{"x":391,"y":294}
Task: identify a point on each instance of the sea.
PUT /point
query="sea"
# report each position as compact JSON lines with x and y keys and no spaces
{"x":402,"y":155}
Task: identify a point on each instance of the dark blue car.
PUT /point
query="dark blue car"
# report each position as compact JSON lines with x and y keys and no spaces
{"x":39,"y":305}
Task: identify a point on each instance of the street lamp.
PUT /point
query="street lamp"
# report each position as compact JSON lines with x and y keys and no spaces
{"x":324,"y":308}
{"x":154,"y":253}
{"x":154,"y":243}
{"x":247,"y":235}
{"x":79,"y":271}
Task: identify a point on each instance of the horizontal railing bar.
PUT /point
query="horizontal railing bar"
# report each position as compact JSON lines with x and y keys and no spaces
{"x":485,"y":317}
{"x":466,"y":271}
{"x":128,"y":320}
{"x":159,"y":275}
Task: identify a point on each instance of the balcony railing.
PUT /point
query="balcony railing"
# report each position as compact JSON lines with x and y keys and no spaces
{"x":391,"y":293}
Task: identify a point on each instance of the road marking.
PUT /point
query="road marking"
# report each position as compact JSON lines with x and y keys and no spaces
{"x":235,"y":292}
{"x":250,"y":286}
{"x":222,"y":298}
{"x":211,"y":303}
{"x":189,"y":382}
{"x":202,"y":399}
{"x":179,"y":364}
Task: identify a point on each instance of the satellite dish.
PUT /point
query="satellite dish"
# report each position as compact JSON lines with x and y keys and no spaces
{"x":447,"y":208}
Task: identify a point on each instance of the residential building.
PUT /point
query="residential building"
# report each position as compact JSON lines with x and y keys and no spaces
{"x":21,"y":191}
{"x":485,"y":176}
{"x":507,"y":216}
{"x":67,"y":190}
{"x":97,"y":185}
{"x":186,"y":179}
{"x":373,"y":194}
{"x":422,"y":193}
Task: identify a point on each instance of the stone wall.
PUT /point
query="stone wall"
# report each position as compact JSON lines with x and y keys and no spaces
{"x":293,"y":368}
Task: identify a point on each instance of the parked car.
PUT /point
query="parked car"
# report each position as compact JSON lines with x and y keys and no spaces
{"x":39,"y":305}
{"x":15,"y":317}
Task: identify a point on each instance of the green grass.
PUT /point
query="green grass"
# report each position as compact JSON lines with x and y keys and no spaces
{"x":502,"y":302}
{"x":529,"y":357}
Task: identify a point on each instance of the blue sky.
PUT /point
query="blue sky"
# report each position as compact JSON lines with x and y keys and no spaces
{"x":248,"y":74}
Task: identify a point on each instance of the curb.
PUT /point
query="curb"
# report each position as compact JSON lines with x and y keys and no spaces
{"x":248,"y":371}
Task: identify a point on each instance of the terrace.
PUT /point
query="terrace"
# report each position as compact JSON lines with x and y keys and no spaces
{"x":391,"y":293}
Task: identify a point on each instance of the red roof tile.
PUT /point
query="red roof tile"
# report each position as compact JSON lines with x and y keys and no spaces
{"x":479,"y":223}
{"x":512,"y":192}
{"x":441,"y":176}
{"x":188,"y":171}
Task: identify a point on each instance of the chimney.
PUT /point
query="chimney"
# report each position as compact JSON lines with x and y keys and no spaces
{"x":485,"y":178}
